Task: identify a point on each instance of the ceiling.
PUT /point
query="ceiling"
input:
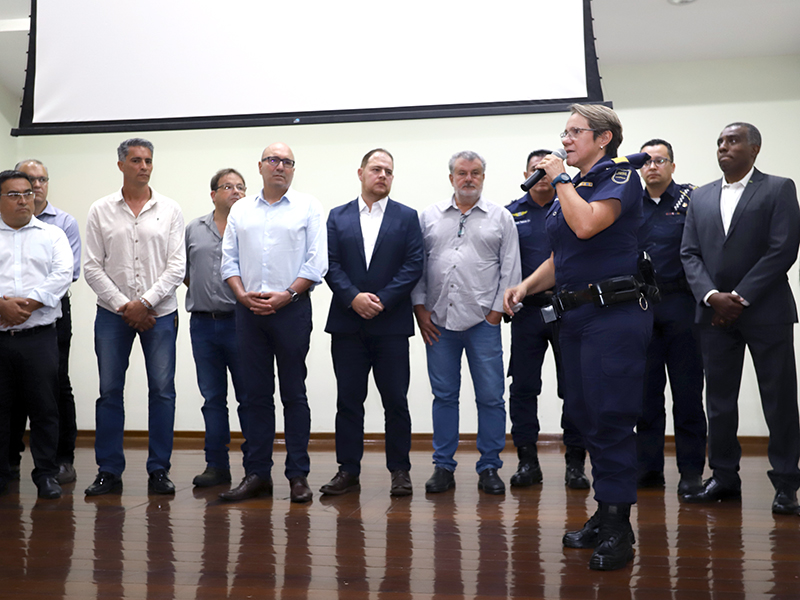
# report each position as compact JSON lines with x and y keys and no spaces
{"x":627,"y":31}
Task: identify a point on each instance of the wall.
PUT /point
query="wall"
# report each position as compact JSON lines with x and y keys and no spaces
{"x":686,"y":103}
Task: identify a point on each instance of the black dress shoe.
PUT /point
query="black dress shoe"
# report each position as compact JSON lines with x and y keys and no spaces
{"x":401,"y":484}
{"x":48,"y":488}
{"x":299,"y":492}
{"x":341,"y":483}
{"x":690,"y":484}
{"x":212,"y":476}
{"x":785,"y":503}
{"x":104,"y":483}
{"x":651,"y":479}
{"x":159,"y":483}
{"x":489,"y":481}
{"x":66,"y":473}
{"x":441,"y":481}
{"x":251,"y":486}
{"x":712,"y":491}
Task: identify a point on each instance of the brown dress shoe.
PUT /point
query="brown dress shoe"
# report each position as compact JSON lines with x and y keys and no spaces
{"x":250,"y":487}
{"x":401,"y":484}
{"x":341,"y":483}
{"x":299,"y":490}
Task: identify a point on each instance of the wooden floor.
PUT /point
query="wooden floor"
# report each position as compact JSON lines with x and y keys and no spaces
{"x":367,"y":546}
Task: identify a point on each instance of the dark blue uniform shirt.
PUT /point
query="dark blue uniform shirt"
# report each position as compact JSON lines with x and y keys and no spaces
{"x":534,"y":245}
{"x":662,"y":229}
{"x":614,"y":251}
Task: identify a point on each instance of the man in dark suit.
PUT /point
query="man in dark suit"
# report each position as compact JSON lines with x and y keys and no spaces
{"x":375,"y":259}
{"x":741,"y":237}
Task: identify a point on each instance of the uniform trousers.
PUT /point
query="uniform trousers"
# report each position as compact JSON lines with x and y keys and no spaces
{"x":530,"y":337}
{"x":282,"y":338}
{"x":674,"y":350}
{"x":604,"y":356}
{"x":354,"y":355}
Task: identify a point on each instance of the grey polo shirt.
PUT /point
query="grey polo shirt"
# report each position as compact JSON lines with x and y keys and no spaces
{"x":207,"y":291}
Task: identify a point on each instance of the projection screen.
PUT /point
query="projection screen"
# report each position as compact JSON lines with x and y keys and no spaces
{"x":99,"y":66}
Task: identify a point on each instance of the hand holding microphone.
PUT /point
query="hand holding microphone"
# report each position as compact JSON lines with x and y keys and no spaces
{"x":537,"y":175}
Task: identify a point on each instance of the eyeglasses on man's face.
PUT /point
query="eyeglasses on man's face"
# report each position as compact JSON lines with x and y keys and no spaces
{"x":656,"y":162}
{"x":230,"y":187}
{"x":273,"y":161}
{"x":18,"y":195}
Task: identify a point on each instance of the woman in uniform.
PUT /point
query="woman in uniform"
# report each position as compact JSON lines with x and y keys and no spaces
{"x":605,"y":324}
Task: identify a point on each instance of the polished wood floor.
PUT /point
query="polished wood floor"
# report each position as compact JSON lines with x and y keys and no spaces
{"x":368,"y":546}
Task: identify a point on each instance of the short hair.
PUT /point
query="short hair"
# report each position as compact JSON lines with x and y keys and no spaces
{"x":30,"y":160}
{"x":13,"y":174}
{"x":601,"y":118}
{"x":369,"y":154}
{"x":541,"y":152}
{"x":220,"y":174}
{"x":468,"y":155}
{"x":753,"y":134}
{"x":124,"y":147}
{"x":660,"y":142}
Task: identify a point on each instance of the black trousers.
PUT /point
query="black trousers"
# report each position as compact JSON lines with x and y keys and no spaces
{"x":29,"y":376}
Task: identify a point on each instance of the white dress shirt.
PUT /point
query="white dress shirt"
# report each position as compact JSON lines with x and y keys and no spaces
{"x":271,"y":245}
{"x":729,"y":197}
{"x":35,"y":263}
{"x":371,"y":224}
{"x":130,"y":257}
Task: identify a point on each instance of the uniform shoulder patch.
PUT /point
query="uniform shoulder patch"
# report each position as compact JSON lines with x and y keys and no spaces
{"x":621,"y":176}
{"x":516,"y":215}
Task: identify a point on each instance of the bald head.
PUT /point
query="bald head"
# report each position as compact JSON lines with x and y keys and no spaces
{"x":277,"y":170}
{"x":40,"y":178}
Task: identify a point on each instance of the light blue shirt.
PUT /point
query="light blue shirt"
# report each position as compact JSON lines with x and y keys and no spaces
{"x":269,"y":246}
{"x":66,"y":223}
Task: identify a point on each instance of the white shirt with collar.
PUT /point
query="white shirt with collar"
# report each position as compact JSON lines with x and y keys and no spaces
{"x":729,"y":198}
{"x":371,"y":224}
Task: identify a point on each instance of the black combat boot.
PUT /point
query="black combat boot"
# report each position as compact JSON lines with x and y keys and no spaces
{"x":587,"y":536}
{"x":528,"y":471}
{"x":615,"y":544}
{"x":574,"y":477}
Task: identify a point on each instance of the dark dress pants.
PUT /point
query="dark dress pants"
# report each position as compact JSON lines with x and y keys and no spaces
{"x":354,"y":355}
{"x":264,"y":341}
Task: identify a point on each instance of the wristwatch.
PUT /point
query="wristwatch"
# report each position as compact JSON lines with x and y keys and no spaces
{"x":561,"y":178}
{"x":293,"y":296}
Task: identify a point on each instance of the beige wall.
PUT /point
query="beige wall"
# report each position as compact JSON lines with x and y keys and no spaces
{"x":686,"y":103}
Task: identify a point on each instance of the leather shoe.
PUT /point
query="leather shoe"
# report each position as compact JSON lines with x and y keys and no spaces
{"x":159,"y":483}
{"x":212,"y":476}
{"x":48,"y":488}
{"x":690,"y":484}
{"x":585,"y":537}
{"x":528,"y":471}
{"x":712,"y":491}
{"x":441,"y":481}
{"x":651,"y":479}
{"x":104,"y":483}
{"x":66,"y":473}
{"x":785,"y":503}
{"x":576,"y":479}
{"x":299,"y":492}
{"x":251,"y":486}
{"x":489,"y":481}
{"x":401,"y":484}
{"x":341,"y":483}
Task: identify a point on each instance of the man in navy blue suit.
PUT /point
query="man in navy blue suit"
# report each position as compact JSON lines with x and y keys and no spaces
{"x":375,"y":260}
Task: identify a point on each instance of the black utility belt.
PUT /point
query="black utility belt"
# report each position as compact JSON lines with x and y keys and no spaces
{"x":602,"y":294}
{"x":539,"y":300}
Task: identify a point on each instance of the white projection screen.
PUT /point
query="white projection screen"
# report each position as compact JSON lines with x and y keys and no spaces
{"x":99,"y":66}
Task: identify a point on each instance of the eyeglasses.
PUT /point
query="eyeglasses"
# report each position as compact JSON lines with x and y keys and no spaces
{"x":573,"y":132}
{"x":461,"y":227}
{"x":274,"y":160}
{"x":18,"y":195}
{"x":41,"y":180}
{"x":228,"y":187}
{"x":656,"y":162}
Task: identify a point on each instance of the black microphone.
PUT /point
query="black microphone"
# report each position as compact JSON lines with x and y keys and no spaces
{"x":539,"y":173}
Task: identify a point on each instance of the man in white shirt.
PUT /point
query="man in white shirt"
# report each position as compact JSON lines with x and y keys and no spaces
{"x":35,"y":272}
{"x":273,"y":251}
{"x":135,"y":260}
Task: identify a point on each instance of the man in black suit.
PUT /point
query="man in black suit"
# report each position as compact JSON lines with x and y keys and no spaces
{"x":741,"y":237}
{"x":374,"y":261}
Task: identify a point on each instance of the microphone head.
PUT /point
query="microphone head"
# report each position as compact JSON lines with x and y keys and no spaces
{"x":560,"y":153}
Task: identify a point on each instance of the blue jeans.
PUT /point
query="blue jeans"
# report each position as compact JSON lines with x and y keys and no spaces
{"x":215,"y":352}
{"x":484,"y":349}
{"x":113,"y":340}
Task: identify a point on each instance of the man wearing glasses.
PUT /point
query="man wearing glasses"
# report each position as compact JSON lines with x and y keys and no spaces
{"x":472,"y":257}
{"x":273,"y":252}
{"x":211,"y":303}
{"x":674,"y":348}
{"x":67,"y":428}
{"x":35,"y":272}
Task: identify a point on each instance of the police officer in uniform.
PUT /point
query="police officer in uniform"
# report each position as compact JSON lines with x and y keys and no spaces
{"x":605,"y":321}
{"x":530,"y":336}
{"x":674,"y":348}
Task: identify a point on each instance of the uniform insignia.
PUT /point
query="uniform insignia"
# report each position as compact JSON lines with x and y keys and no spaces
{"x":519,"y":214}
{"x":621,"y":176}
{"x":585,"y":184}
{"x":620,"y":160}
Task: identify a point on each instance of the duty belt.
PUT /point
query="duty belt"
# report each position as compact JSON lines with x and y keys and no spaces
{"x":604,"y":293}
